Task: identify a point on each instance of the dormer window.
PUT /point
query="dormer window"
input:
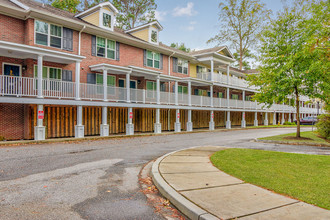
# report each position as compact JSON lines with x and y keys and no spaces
{"x":154,"y":37}
{"x":106,"y":20}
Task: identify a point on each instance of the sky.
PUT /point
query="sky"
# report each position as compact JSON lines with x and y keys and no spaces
{"x":194,"y":21}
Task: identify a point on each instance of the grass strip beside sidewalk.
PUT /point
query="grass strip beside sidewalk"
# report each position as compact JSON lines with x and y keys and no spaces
{"x":304,"y":177}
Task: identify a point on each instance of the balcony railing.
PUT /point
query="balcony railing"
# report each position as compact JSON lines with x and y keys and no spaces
{"x":28,"y":87}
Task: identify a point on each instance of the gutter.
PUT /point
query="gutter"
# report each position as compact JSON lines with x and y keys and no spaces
{"x":79,"y":44}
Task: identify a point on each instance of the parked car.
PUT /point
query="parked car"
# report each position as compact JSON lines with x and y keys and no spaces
{"x":307,"y":121}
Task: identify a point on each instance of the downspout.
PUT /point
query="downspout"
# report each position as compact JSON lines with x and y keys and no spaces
{"x":79,"y":46}
{"x":169,"y":89}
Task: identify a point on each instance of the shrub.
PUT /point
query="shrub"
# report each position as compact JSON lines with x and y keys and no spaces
{"x":289,"y":123}
{"x":323,"y":126}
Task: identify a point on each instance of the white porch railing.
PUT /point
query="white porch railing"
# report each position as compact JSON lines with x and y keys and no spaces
{"x":58,"y":89}
{"x":27,"y":87}
{"x":18,"y":86}
{"x":204,"y":76}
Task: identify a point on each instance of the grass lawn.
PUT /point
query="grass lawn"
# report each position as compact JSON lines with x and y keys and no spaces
{"x":277,"y":126}
{"x":304,"y":177}
{"x":307,"y":137}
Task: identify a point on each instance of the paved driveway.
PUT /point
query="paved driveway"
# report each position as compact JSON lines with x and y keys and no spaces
{"x":99,"y":179}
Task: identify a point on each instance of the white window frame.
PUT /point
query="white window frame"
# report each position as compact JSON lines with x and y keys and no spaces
{"x":48,"y":67}
{"x":150,"y":34}
{"x":153,"y":59}
{"x":12,"y":64}
{"x":106,"y":48}
{"x":183,"y":64}
{"x":48,"y":34}
{"x":101,"y":19}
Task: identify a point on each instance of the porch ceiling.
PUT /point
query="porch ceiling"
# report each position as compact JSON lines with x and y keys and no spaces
{"x":22,"y":51}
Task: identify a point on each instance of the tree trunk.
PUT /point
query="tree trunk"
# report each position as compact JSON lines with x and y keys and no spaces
{"x":240,"y":55}
{"x":86,"y":5}
{"x":298,"y":115}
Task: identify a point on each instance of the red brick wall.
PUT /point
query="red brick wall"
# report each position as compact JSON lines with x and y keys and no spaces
{"x":12,"y":121}
{"x":11,"y":29}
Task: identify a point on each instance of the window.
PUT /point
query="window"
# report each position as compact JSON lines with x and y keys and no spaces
{"x":151,"y":88}
{"x":202,"y":92}
{"x":154,"y":37}
{"x":50,"y":73}
{"x":153,"y":59}
{"x":183,"y":89}
{"x":248,"y":98}
{"x":182,"y":66}
{"x":48,"y":34}
{"x":105,"y":48}
{"x":220,"y":94}
{"x":201,"y":69}
{"x":106,"y":20}
{"x":234,"y":96}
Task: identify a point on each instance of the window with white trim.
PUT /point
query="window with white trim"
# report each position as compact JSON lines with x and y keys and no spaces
{"x":105,"y":48}
{"x":51,"y":74}
{"x":48,"y":34}
{"x":106,"y":20}
{"x":154,"y":36}
{"x":153,"y":59}
{"x":182,"y":66}
{"x":151,"y":89}
{"x":201,"y":69}
{"x":234,"y":96}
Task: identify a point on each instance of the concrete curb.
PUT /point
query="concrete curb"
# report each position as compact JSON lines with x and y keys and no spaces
{"x":290,"y":143}
{"x":188,"y":208}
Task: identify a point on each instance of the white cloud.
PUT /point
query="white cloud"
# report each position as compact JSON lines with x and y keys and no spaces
{"x":191,"y":26}
{"x":160,"y":15}
{"x":184,"y":11}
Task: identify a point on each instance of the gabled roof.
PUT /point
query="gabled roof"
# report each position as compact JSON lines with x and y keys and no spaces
{"x":97,"y":7}
{"x":160,"y":27}
{"x":212,"y":50}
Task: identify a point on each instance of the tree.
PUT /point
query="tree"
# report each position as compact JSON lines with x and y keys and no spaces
{"x":294,"y":49}
{"x":240,"y":24}
{"x":67,"y":5}
{"x":134,"y":12}
{"x":181,"y":46}
{"x":245,"y":62}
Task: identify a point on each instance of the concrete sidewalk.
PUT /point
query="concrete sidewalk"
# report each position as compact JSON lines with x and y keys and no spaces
{"x":199,"y":190}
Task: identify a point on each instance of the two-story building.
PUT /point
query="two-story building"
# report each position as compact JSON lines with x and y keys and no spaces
{"x":76,"y":75}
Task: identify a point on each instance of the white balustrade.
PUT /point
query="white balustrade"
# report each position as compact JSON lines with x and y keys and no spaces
{"x":18,"y":86}
{"x":58,"y":89}
{"x":91,"y":91}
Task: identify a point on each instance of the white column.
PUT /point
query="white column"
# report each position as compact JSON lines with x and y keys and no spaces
{"x":256,"y":119}
{"x":104,"y":127}
{"x":274,"y":118}
{"x":177,"y":124}
{"x":227,"y":97}
{"x":290,"y":117}
{"x":105,"y":84}
{"x":189,"y":93}
{"x":295,"y":116}
{"x":79,"y":128}
{"x":158,"y":90}
{"x":283,"y":119}
{"x":130,"y":125}
{"x":189,"y":122}
{"x":227,"y":74}
{"x":243,"y":123}
{"x":40,"y":84}
{"x":77,"y":80}
{"x":40,"y":130}
{"x":211,"y":123}
{"x":128,"y":89}
{"x":228,"y":122}
{"x":212,"y":70}
{"x":266,"y":119}
{"x":158,"y":125}
{"x":176,"y":93}
{"x":211,"y":95}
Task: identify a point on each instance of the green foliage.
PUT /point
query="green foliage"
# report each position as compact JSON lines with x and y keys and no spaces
{"x":241,"y":22}
{"x":245,"y":62}
{"x":181,"y":46}
{"x":134,"y":12}
{"x":323,"y":126}
{"x":67,"y":5}
{"x":289,"y":123}
{"x":301,"y":176}
{"x":293,"y":55}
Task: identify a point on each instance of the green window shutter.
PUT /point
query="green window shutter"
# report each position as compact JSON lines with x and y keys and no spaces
{"x":185,"y":89}
{"x":150,"y":85}
{"x":44,"y":72}
{"x":99,"y":79}
{"x":36,"y":71}
{"x":179,"y":89}
{"x":111,"y":81}
{"x":155,"y":86}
